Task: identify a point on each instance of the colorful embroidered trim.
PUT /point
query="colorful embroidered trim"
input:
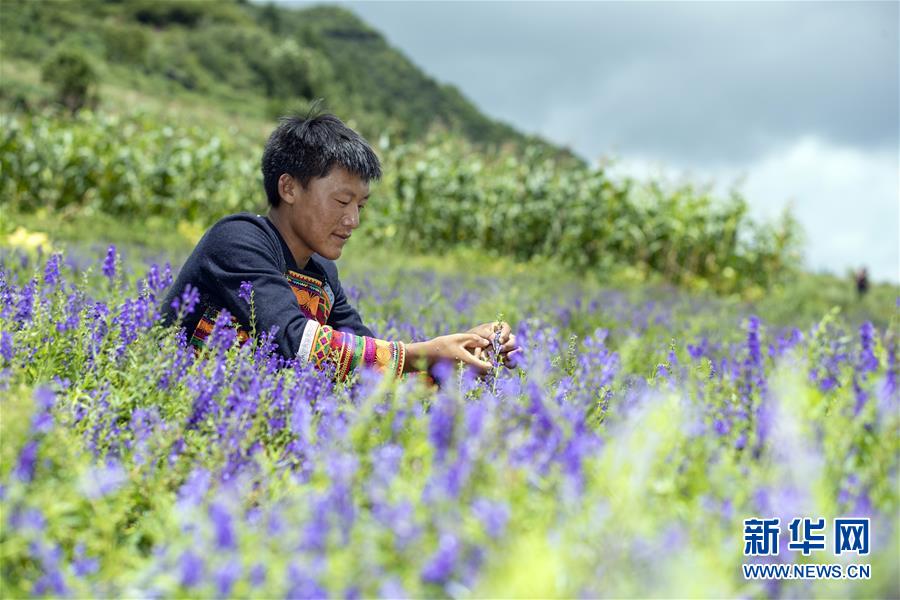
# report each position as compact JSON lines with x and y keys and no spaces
{"x":347,"y":351}
{"x":208,"y":322}
{"x":314,"y":298}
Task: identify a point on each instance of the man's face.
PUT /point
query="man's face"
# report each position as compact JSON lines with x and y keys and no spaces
{"x":324,"y":214}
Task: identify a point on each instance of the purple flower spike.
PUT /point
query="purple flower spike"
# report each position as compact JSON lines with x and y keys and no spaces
{"x":51,"y":271}
{"x":102,"y":481}
{"x":440,"y":566}
{"x":109,"y":263}
{"x":302,"y":585}
{"x":25,"y":306}
{"x":192,"y":567}
{"x":493,"y":516}
{"x":246,"y":291}
{"x":188,"y":300}
{"x":6,"y":346}
{"x":83,"y":565}
{"x":27,"y":460}
{"x":257,"y":575}
{"x":226,"y":576}
{"x":868,"y":362}
{"x":224,"y":530}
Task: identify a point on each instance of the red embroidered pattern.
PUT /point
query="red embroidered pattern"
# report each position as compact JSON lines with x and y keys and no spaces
{"x":345,"y":350}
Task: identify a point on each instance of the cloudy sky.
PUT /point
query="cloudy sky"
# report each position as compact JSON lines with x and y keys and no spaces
{"x":792,"y":103}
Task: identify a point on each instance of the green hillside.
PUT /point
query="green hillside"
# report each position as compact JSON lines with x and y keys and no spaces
{"x":255,"y":60}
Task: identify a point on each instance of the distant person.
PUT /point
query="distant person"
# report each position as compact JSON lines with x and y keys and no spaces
{"x":862,"y":282}
{"x":316,"y":174}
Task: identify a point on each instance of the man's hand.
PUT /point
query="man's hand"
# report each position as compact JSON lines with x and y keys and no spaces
{"x":508,"y":347}
{"x":457,"y":347}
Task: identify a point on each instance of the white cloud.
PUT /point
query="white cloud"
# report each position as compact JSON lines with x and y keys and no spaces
{"x":846,"y":199}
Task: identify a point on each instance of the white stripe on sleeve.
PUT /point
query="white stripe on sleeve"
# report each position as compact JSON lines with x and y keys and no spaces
{"x":306,"y":342}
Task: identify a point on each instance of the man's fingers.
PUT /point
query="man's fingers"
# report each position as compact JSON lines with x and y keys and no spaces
{"x":509,"y":345}
{"x":479,"y":364}
{"x":473,"y":339}
{"x":503,"y":328}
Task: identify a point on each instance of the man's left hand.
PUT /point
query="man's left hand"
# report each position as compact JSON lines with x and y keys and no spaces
{"x":507,"y":338}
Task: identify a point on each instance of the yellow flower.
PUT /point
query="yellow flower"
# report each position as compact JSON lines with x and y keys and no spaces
{"x":28,"y":240}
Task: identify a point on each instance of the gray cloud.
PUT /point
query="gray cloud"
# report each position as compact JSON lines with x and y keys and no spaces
{"x":717,"y":82}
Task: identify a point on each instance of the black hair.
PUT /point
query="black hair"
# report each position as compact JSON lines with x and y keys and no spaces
{"x":307,"y":147}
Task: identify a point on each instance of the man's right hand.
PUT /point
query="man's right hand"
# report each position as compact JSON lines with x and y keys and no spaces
{"x":456,"y":347}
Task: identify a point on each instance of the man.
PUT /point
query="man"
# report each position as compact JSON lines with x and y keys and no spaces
{"x":862,"y":281}
{"x":316,"y":174}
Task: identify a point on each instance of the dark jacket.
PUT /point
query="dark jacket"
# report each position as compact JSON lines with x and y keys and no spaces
{"x":248,"y":247}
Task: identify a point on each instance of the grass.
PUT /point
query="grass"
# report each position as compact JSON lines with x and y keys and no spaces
{"x":21,"y":80}
{"x":799,"y":302}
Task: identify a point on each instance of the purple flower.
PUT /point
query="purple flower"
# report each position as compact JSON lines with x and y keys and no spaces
{"x":51,"y":271}
{"x":474,"y":416}
{"x":440,"y":565}
{"x":440,"y":426}
{"x":697,"y":351}
{"x":392,"y":588}
{"x":258,"y":575}
{"x":226,"y":576}
{"x":175,"y":451}
{"x":890,"y":379}
{"x":755,"y":356}
{"x":192,"y":568}
{"x":399,"y":519}
{"x":868,"y":362}
{"x":28,"y":519}
{"x":275,"y":524}
{"x":195,"y":488}
{"x":188,"y":300}
{"x":223,"y":334}
{"x":50,"y":583}
{"x":156,"y":281}
{"x":73,"y":314}
{"x":101,"y":481}
{"x":493,"y":516}
{"x":42,"y":420}
{"x":223,"y":527}
{"x":315,"y":534}
{"x":83,"y":565}
{"x":246,"y":291}
{"x":6,"y":346}
{"x":134,"y":315}
{"x":142,"y":423}
{"x":302,"y":585}
{"x":25,"y":307}
{"x":26,"y":462}
{"x":442,"y":371}
{"x":385,"y":463}
{"x":98,"y":313}
{"x":721,"y":426}
{"x":109,"y":263}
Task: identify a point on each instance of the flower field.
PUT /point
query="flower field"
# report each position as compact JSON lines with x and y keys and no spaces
{"x":618,"y":460}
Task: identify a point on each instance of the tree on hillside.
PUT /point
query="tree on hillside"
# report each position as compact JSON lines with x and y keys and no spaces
{"x":74,"y":78}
